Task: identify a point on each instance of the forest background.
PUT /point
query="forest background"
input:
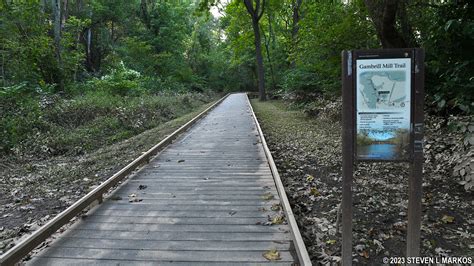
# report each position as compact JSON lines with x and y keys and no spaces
{"x":69,"y":68}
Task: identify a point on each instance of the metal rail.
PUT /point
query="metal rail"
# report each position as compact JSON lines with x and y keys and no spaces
{"x":22,"y":249}
{"x":300,"y":247}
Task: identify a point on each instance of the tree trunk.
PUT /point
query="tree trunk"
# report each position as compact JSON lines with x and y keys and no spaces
{"x":64,"y":14}
{"x":256,"y":14}
{"x":269,"y":58}
{"x":56,"y":7}
{"x":405,"y":26}
{"x":296,"y":5}
{"x":3,"y":71}
{"x":384,"y":14}
{"x":144,"y":14}
{"x":260,"y":68}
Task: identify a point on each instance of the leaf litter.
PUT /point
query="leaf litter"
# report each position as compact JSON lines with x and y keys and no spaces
{"x":307,"y":151}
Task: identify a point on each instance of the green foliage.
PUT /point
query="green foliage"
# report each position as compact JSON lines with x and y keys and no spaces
{"x":448,"y":37}
{"x":326,"y":30}
{"x":41,"y":123}
{"x":121,"y":81}
{"x":300,"y":81}
{"x":129,"y":54}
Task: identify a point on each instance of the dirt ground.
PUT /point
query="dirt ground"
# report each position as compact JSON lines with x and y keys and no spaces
{"x":307,"y":151}
{"x":32,"y":191}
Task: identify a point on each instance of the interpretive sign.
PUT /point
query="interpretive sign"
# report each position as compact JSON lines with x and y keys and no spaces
{"x":383,"y":108}
{"x":382,"y":118}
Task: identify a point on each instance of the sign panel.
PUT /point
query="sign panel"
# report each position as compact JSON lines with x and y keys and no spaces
{"x":383,"y":109}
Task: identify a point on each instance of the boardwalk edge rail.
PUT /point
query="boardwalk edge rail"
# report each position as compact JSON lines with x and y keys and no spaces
{"x":24,"y":247}
{"x":300,"y":247}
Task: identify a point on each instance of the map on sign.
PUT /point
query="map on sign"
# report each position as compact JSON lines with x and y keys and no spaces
{"x":383,"y":95}
{"x":383,"y":89}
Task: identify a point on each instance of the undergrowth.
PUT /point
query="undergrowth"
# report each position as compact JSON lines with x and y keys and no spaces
{"x":86,"y":117}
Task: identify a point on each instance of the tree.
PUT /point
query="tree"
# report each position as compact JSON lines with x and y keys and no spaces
{"x":296,"y":8}
{"x":56,"y":7}
{"x":384,"y":17}
{"x":256,"y":13}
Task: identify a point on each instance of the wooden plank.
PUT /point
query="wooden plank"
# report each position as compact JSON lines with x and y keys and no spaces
{"x":188,"y":214}
{"x":190,"y":197}
{"x":112,"y":262}
{"x":183,"y":228}
{"x":187,"y":245}
{"x":205,"y":236}
{"x":198,"y":203}
{"x":168,"y":207}
{"x":179,"y":220}
{"x":157,"y":189}
{"x":163,"y":255}
{"x":201,"y":190}
{"x":259,"y":191}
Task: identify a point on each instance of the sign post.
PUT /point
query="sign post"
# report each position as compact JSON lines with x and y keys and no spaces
{"x":382,"y":119}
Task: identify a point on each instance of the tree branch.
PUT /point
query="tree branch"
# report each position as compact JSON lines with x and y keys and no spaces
{"x":261,"y":11}
{"x":249,"y":6}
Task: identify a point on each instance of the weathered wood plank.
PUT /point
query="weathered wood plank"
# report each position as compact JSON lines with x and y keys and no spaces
{"x":183,"y":228}
{"x":163,"y":255}
{"x":177,"y":220}
{"x":188,"y":214}
{"x":205,"y":236}
{"x":114,"y":205}
{"x":126,"y":262}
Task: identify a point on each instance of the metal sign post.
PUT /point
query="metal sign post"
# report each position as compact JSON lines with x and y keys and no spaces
{"x":382,"y":92}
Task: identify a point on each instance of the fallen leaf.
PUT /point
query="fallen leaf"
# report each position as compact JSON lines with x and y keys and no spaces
{"x":278,"y":219}
{"x":447,"y":219}
{"x":365,"y":254}
{"x":309,"y":178}
{"x":272,"y":255}
{"x":314,"y":191}
{"x":268,"y":196}
{"x":275,"y":207}
{"x":331,"y":242}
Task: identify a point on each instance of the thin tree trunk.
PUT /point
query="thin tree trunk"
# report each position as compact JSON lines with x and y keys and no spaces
{"x":64,"y":14}
{"x":260,"y":68}
{"x":296,"y":5}
{"x":56,"y":7}
{"x":266,"y":42}
{"x":405,"y":26}
{"x":256,"y":14}
{"x":90,"y":65}
{"x":3,"y":70}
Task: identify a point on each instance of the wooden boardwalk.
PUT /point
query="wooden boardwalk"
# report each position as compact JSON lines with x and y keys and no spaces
{"x":205,"y":200}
